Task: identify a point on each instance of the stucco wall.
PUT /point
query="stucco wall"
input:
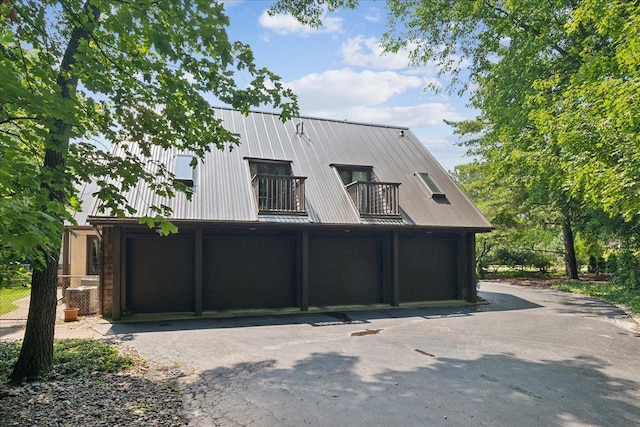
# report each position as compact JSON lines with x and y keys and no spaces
{"x":78,"y":252}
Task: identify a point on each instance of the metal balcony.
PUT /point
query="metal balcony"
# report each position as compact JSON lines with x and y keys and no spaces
{"x":375,"y":198}
{"x":279,"y":193}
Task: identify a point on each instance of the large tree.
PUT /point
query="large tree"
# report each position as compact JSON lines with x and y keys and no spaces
{"x":530,"y":172}
{"x":557,"y":85}
{"x":81,"y":75}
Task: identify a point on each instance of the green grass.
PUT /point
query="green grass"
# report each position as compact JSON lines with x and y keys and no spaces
{"x":608,"y":291}
{"x":9,"y":295}
{"x":508,"y":273}
{"x":73,"y":358}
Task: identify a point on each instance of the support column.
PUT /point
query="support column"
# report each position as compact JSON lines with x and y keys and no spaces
{"x":116,"y":244}
{"x":395,"y":269}
{"x":462,"y":267}
{"x":198,"y":273}
{"x":66,"y":264}
{"x":472,"y":290}
{"x":123,"y":270}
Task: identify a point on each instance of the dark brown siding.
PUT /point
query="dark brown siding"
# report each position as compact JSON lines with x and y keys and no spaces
{"x":428,"y":269}
{"x":345,"y":270}
{"x":220,"y":269}
{"x":249,"y":272}
{"x":160,"y":274}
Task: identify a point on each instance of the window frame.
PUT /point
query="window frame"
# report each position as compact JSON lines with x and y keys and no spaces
{"x":270,"y":164}
{"x":351,"y":169}
{"x":180,"y":171}
{"x":93,"y":259}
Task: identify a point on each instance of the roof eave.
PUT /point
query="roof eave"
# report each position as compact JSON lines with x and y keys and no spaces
{"x":96,"y":220}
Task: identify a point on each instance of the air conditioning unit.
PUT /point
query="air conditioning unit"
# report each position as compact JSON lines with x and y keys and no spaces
{"x":83,"y":297}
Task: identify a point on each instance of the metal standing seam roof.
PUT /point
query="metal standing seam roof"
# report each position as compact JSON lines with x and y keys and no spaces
{"x":87,"y":202}
{"x":222,"y":181}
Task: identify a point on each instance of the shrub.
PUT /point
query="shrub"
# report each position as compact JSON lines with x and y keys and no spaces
{"x":540,"y":261}
{"x":627,"y":269}
{"x":522,"y":258}
{"x":13,"y":274}
{"x":597,"y":265}
{"x":612,"y":263}
{"x":72,"y":358}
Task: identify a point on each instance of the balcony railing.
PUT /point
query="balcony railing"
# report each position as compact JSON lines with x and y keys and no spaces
{"x":375,"y":198}
{"x":279,"y":193}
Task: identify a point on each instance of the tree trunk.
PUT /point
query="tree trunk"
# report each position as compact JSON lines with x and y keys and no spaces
{"x":36,"y":354}
{"x":570,"y":262}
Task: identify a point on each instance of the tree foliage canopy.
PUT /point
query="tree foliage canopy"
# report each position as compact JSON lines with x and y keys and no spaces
{"x":102,"y":73}
{"x":556,"y":83}
{"x":81,"y":75}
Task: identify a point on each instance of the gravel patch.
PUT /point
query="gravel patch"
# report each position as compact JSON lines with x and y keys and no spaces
{"x":102,"y":400}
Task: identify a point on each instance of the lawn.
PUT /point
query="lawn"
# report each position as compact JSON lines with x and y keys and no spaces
{"x":590,"y":284}
{"x":9,"y":295}
{"x":616,"y":294}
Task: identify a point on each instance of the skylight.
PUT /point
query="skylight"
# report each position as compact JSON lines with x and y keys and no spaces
{"x":433,"y":188}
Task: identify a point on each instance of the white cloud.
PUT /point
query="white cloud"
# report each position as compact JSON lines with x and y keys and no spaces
{"x":366,"y":52}
{"x":413,"y":116}
{"x":347,"y":88}
{"x":373,"y":15}
{"x":360,"y":96}
{"x":286,"y":24}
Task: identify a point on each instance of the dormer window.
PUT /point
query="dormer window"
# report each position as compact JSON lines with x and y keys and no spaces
{"x":431,"y":186}
{"x":264,"y":167}
{"x":275,"y":189}
{"x":372,"y":198}
{"x":353,"y":174}
{"x":185,"y":169}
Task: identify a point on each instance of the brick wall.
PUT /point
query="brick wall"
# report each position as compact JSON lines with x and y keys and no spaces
{"x":107,"y":271}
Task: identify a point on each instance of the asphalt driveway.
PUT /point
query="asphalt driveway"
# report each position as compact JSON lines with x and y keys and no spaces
{"x":531,"y":357}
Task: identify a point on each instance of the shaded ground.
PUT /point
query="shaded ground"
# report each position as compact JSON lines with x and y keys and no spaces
{"x":530,"y":357}
{"x":543,"y":281}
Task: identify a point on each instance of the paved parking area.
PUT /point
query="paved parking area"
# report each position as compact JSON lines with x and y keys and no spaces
{"x":530,"y":357}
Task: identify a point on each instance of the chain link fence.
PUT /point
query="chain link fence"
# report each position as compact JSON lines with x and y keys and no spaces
{"x":76,"y":291}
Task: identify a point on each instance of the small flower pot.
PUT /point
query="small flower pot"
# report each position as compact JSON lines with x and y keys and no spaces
{"x":71,"y":314}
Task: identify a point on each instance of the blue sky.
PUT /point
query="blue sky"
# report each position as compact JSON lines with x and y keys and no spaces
{"x":338,"y":72}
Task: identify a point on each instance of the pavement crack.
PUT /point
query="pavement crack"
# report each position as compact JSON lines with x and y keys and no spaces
{"x":493,"y":380}
{"x":523,"y":391}
{"x":366,"y":332}
{"x":511,"y":386}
